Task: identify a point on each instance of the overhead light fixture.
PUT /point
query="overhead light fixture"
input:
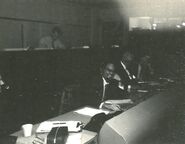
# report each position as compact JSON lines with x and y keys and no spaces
{"x":183,"y":23}
{"x":178,"y":26}
{"x":154,"y":25}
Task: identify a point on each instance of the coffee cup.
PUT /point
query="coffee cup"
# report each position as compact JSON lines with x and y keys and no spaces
{"x":27,"y":129}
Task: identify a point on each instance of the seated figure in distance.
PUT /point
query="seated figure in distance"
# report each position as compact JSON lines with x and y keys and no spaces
{"x":145,"y":70}
{"x":125,"y":70}
{"x":52,"y":41}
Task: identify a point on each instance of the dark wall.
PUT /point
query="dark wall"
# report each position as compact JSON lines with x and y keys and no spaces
{"x":156,"y":42}
{"x":159,"y":45}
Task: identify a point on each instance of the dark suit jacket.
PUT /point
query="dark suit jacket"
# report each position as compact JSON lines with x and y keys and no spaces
{"x":92,"y":91}
{"x":123,"y":74}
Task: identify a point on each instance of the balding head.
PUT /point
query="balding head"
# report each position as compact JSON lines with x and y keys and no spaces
{"x":127,"y":58}
{"x":108,"y":70}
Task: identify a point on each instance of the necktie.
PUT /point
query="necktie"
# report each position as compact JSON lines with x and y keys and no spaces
{"x":126,"y":70}
{"x":128,"y":73}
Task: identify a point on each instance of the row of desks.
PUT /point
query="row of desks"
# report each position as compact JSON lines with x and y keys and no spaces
{"x":88,"y":136}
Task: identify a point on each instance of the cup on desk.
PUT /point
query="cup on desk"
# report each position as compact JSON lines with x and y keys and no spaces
{"x":27,"y":129}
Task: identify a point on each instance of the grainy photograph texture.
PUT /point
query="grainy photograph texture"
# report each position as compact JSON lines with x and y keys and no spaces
{"x":92,"y":71}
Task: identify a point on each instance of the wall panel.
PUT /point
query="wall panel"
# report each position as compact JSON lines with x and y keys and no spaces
{"x":10,"y":34}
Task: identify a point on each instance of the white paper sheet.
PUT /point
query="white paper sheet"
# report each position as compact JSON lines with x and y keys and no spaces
{"x":90,"y":111}
{"x":124,"y":101}
{"x":74,"y":138}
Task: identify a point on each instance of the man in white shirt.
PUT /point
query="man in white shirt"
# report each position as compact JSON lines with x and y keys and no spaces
{"x":52,"y":41}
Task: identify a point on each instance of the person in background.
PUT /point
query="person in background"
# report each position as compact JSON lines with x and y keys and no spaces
{"x":102,"y":87}
{"x":125,"y":70}
{"x":145,"y":70}
{"x":5,"y":108}
{"x":3,"y":86}
{"x":53,"y":41}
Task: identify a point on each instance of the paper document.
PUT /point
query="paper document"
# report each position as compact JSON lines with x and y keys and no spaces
{"x":75,"y":138}
{"x":142,"y":91}
{"x":124,"y":101}
{"x":90,"y":111}
{"x":116,"y":105}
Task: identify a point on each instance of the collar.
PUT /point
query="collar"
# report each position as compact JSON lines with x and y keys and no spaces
{"x":104,"y":81}
{"x":128,"y":73}
{"x":124,"y":66}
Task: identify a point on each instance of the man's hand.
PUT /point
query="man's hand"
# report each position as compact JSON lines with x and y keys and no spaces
{"x":117,"y":77}
{"x":38,"y":140}
{"x":30,"y":140}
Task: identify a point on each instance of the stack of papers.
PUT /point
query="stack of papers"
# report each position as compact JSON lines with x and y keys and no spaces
{"x":90,"y":111}
{"x":73,"y":126}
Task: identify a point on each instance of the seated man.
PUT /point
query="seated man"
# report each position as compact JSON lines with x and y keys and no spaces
{"x":53,"y":41}
{"x":145,"y":70}
{"x":125,"y":70}
{"x":102,"y":87}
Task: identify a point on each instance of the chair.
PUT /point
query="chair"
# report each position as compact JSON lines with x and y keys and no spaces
{"x":68,"y":98}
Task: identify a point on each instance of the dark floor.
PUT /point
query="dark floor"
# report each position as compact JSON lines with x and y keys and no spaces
{"x":174,"y":129}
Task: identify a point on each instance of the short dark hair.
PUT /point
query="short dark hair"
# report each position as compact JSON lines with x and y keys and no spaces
{"x":56,"y":29}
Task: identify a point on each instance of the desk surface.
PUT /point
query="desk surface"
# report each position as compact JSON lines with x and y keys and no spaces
{"x":86,"y":135}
